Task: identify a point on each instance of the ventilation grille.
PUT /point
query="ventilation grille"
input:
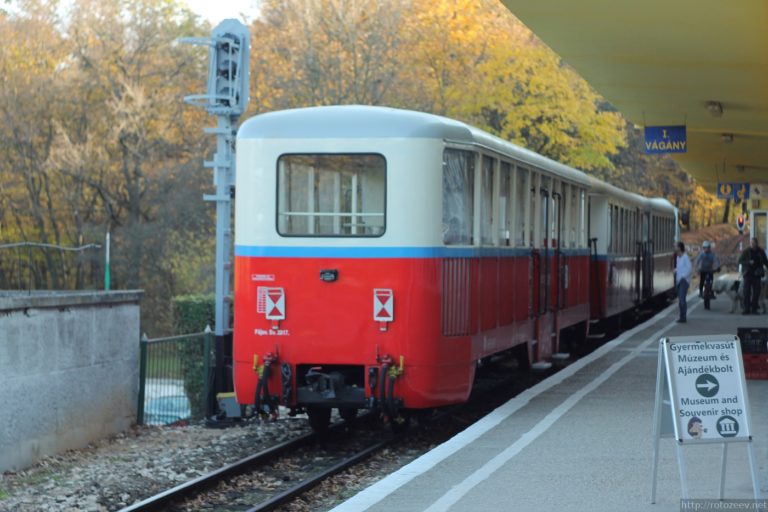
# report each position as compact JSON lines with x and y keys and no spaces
{"x":456,"y":295}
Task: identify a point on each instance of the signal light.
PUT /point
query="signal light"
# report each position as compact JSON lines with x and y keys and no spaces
{"x":740,"y":223}
{"x":229,"y":65}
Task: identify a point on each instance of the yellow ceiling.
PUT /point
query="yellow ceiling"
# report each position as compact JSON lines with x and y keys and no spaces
{"x":660,"y":61}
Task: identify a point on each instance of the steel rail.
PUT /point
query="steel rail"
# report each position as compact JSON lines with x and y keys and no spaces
{"x":193,"y":486}
{"x":311,"y":482}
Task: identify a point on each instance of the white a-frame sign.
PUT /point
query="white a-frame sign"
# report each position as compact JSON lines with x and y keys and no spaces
{"x":701,"y":397}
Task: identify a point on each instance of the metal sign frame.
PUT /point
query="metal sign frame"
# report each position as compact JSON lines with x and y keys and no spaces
{"x":665,"y":423}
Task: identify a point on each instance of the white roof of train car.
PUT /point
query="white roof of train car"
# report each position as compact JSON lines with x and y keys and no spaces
{"x":371,"y":122}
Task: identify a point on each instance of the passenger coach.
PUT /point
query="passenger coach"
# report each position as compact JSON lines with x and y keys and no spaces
{"x":380,"y":254}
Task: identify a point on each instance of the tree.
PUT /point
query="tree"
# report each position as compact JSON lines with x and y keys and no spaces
{"x":104,"y":142}
{"x":29,"y":93}
{"x":325,"y":52}
{"x":467,"y":59}
{"x":481,"y":65}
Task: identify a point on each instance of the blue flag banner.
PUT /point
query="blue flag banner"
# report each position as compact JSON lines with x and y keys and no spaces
{"x":665,"y":139}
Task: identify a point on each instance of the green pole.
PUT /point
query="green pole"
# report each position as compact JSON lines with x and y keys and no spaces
{"x":106,"y":264}
{"x":207,"y":371}
{"x":143,"y":346}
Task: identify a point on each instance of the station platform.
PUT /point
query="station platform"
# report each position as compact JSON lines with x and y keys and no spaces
{"x":582,"y":439}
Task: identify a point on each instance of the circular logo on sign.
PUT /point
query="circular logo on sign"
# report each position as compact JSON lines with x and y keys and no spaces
{"x":707,"y":385}
{"x":727,"y":426}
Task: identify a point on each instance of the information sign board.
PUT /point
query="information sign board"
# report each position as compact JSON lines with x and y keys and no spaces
{"x":707,"y":388}
{"x":665,"y":139}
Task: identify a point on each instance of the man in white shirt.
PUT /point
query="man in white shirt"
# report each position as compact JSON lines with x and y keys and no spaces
{"x":683,"y":274}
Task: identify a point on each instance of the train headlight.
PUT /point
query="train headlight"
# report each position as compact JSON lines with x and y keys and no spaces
{"x":329,"y":275}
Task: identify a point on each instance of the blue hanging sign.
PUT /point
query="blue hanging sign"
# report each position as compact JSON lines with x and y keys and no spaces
{"x":665,"y":139}
{"x":735,"y":191}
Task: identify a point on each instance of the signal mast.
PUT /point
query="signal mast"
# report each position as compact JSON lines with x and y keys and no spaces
{"x":227,"y":98}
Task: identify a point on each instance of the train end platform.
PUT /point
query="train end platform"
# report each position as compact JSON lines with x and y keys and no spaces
{"x":583,"y":440}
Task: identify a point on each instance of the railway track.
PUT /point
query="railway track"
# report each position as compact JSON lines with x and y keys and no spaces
{"x":215,"y":489}
{"x":289,"y":471}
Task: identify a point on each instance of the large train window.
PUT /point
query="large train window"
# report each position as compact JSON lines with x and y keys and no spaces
{"x":583,"y":224}
{"x":505,"y":204}
{"x":522,"y":221}
{"x":458,"y":196}
{"x":331,"y":195}
{"x":486,"y":202}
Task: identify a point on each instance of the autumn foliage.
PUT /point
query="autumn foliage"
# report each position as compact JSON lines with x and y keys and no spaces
{"x":96,"y":137}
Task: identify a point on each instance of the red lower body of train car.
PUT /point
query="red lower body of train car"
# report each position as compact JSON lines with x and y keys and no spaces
{"x":353,"y":332}
{"x":619,"y":284}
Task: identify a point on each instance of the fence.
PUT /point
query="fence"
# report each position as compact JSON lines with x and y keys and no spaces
{"x":42,"y":266}
{"x":175,"y":378}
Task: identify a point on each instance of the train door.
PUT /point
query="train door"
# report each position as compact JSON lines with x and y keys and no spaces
{"x":534,"y":221}
{"x":637,"y":241}
{"x":599,"y":236}
{"x":556,"y":223}
{"x":546,"y":330}
{"x":647,"y":256}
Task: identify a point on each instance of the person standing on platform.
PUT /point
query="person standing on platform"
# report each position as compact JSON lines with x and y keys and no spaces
{"x":707,"y":263}
{"x":683,"y":273}
{"x":753,"y":263}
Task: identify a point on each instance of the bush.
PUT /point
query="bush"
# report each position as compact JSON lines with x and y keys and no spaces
{"x":191,"y":314}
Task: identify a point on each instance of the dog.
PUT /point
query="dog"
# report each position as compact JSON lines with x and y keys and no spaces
{"x":731,"y":284}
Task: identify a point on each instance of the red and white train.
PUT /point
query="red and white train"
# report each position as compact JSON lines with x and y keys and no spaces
{"x":380,"y":254}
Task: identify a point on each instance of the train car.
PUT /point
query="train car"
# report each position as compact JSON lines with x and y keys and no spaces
{"x":632,"y":241}
{"x":380,"y":254}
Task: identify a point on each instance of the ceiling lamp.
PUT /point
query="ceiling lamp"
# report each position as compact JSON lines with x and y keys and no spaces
{"x":715,"y":108}
{"x":727,"y":138}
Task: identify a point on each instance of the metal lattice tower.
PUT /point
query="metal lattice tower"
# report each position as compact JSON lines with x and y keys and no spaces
{"x":226,"y":98}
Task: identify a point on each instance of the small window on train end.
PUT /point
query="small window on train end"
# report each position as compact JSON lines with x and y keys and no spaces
{"x":331,"y":195}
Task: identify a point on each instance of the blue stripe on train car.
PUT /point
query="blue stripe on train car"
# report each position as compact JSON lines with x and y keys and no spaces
{"x":387,"y":252}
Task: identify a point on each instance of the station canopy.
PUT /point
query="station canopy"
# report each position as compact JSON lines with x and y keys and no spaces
{"x":698,"y":63}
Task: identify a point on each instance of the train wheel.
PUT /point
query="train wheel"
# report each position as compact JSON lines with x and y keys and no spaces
{"x":348,"y":414}
{"x":319,"y":418}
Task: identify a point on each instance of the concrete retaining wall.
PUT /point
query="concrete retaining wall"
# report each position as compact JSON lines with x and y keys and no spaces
{"x":69,"y":371}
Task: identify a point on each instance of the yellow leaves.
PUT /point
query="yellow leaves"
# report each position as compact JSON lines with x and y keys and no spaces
{"x":467,"y":59}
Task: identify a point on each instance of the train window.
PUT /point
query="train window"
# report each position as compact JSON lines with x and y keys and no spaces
{"x":533,"y":225}
{"x":331,"y":195}
{"x":458,"y":196}
{"x":522,"y":190}
{"x":544,"y":194}
{"x":556,"y":200}
{"x":583,"y":210}
{"x":486,"y":202}
{"x":623,"y":230}
{"x":573,"y":216}
{"x":610,"y":228}
{"x":505,"y":205}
